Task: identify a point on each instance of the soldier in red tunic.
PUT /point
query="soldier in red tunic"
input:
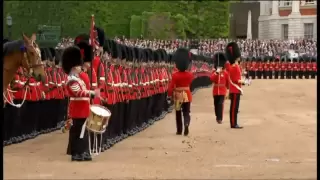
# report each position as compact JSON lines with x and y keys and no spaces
{"x":179,"y":89}
{"x":283,"y":67}
{"x":259,"y":67}
{"x":276,"y":67}
{"x":220,"y":80}
{"x":271,"y":67}
{"x":79,"y":105}
{"x":308,"y":68}
{"x":289,"y":69}
{"x":300,"y":67}
{"x":233,"y":54}
{"x":266,"y":67}
{"x":295,"y":68}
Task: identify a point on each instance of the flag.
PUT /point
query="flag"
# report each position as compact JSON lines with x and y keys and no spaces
{"x":93,"y":35}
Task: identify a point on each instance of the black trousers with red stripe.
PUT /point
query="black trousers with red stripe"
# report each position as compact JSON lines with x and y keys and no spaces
{"x":218,"y":101}
{"x":234,"y":108}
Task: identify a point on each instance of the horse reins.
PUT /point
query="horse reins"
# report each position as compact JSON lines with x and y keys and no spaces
{"x":26,"y":56}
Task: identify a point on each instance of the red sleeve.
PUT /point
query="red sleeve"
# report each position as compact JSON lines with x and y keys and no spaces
{"x":213,"y":77}
{"x":75,"y":90}
{"x":171,"y":86}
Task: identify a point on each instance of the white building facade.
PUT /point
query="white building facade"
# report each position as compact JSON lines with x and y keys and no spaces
{"x":288,"y":19}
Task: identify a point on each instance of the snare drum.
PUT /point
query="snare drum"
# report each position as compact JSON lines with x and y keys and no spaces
{"x":98,"y":119}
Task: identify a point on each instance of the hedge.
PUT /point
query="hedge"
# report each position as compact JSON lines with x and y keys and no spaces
{"x":193,"y":19}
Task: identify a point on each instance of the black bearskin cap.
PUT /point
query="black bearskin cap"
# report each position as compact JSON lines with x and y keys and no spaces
{"x":58,"y":54}
{"x":232,"y":52}
{"x":53,"y":52}
{"x":219,"y":60}
{"x":101,"y":36}
{"x":182,"y":59}
{"x":71,"y":57}
{"x":82,"y":41}
{"x":43,"y":54}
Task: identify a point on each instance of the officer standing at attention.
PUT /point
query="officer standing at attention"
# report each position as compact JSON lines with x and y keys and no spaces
{"x":220,"y":80}
{"x":233,"y":54}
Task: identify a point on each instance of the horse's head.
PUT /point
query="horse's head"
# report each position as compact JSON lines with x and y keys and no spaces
{"x":32,"y":59}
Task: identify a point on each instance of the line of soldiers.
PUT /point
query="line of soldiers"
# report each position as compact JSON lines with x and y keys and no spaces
{"x":132,"y":84}
{"x":280,"y":68}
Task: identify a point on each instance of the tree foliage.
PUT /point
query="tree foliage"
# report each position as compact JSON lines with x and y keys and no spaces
{"x":192,"y":19}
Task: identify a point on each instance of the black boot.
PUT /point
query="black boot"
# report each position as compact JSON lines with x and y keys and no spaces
{"x":186,"y":130}
{"x":237,"y":127}
{"x":179,"y":132}
{"x":86,"y":157}
{"x":76,"y":157}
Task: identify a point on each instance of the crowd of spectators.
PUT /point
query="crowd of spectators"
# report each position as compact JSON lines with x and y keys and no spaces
{"x":210,"y":46}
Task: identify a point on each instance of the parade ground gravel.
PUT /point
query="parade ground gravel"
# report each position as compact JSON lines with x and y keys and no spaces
{"x":278,"y":141}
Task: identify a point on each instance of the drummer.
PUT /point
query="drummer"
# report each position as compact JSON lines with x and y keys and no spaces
{"x":79,"y":103}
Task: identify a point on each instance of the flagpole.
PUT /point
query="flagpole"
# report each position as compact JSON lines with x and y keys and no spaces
{"x":92,"y":43}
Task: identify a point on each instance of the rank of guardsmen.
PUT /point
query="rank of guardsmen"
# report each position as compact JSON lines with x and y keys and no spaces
{"x":136,"y":85}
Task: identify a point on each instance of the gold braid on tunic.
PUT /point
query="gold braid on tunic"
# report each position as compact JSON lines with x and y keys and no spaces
{"x":180,"y":96}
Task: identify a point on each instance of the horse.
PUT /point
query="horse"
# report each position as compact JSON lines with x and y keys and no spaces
{"x":25,"y":53}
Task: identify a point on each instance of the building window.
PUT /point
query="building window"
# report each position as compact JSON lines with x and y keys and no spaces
{"x":285,"y":31}
{"x":308,"y":30}
{"x":285,"y":3}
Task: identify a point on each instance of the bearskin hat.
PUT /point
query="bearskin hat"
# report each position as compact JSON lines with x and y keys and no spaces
{"x":182,"y":59}
{"x":107,"y":46}
{"x":232,"y":52}
{"x":53,"y":52}
{"x":58,"y":54}
{"x":43,"y":54}
{"x":82,"y":41}
{"x":101,"y":36}
{"x":219,"y":60}
{"x":71,"y":57}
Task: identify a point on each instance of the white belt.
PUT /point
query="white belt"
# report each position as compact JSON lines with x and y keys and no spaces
{"x":79,"y":99}
{"x":46,"y":84}
{"x":34,"y":84}
{"x":22,"y":83}
{"x":156,"y":80}
{"x":162,"y":80}
{"x":147,"y":83}
{"x":59,"y":85}
{"x":125,"y":84}
{"x":16,"y":81}
{"x":52,"y":83}
{"x":130,"y":85}
{"x":116,"y":85}
{"x":94,"y":84}
{"x":102,"y":78}
{"x":151,"y":82}
{"x":63,"y":82}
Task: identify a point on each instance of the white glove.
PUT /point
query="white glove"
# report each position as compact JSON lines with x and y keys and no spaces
{"x":218,"y":70}
{"x":97,"y":93}
{"x":169,"y":100}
